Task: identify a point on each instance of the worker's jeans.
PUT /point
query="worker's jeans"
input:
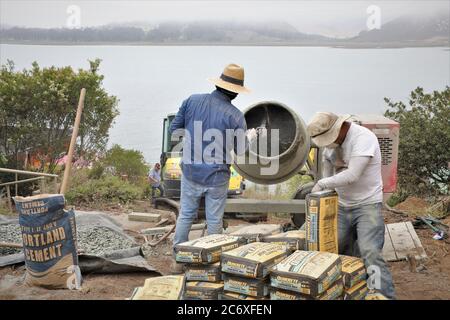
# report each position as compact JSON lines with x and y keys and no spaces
{"x":361,"y":234}
{"x":191,"y":193}
{"x":161,"y":191}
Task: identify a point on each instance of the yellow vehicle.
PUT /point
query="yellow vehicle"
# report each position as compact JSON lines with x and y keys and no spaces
{"x":171,"y":170}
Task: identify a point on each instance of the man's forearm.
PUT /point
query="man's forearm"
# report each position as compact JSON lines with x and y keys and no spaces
{"x":350,"y":175}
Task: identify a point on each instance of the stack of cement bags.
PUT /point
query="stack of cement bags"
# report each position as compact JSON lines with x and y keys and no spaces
{"x":292,"y":240}
{"x":307,"y":275}
{"x":354,"y":277}
{"x":202,"y":269}
{"x":246,"y":269}
{"x":255,"y":233}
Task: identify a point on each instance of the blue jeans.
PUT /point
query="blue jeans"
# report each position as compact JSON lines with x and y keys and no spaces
{"x":191,"y":193}
{"x":361,"y":234}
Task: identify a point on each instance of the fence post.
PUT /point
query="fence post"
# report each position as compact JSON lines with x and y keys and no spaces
{"x":17,"y":186}
{"x":8,"y":195}
{"x":55,"y":184}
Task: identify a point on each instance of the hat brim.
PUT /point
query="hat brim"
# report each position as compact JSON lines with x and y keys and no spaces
{"x":331,"y":135}
{"x":229,"y":86}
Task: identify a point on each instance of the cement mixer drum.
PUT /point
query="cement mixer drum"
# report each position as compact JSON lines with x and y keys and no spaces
{"x":269,"y":165}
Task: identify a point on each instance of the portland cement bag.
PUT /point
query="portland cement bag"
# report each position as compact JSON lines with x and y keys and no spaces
{"x":49,"y":241}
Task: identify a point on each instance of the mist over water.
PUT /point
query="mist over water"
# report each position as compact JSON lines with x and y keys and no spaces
{"x":152,"y":81}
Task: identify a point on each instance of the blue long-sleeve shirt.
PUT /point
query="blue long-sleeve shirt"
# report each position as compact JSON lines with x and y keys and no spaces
{"x":197,"y":116}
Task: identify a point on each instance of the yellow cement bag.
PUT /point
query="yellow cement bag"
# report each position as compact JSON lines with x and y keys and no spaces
{"x":373,"y":295}
{"x":353,"y":271}
{"x":246,"y":286}
{"x":198,"y":290}
{"x":332,"y":293}
{"x":226,"y":295}
{"x":357,"y":292}
{"x":252,"y":233}
{"x":293,"y":240}
{"x":307,"y":272}
{"x":204,"y":272}
{"x":161,"y":288}
{"x":205,"y":250}
{"x":253,"y":260}
{"x":321,"y":221}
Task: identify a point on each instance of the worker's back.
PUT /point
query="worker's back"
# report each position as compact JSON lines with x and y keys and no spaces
{"x":207,"y":145}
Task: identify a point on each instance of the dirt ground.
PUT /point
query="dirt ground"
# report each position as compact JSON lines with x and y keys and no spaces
{"x":431,"y":282}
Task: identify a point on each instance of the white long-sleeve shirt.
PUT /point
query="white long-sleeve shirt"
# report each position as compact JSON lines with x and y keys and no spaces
{"x":354,"y":168}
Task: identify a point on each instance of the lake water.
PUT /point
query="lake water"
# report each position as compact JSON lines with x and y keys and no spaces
{"x":151,"y":81}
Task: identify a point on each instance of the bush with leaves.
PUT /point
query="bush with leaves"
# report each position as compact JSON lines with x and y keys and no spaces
{"x":106,"y":190}
{"x":38,"y":108}
{"x":126,"y":162}
{"x":424,"y":150}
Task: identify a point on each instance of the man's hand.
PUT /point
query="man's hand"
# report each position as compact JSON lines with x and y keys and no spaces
{"x":251,"y":134}
{"x":317,"y":188}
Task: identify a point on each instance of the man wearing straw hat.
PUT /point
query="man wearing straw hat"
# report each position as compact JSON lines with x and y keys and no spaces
{"x":352,"y":166}
{"x":213,"y":113}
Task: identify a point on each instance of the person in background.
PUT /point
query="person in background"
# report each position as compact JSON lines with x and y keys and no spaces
{"x":154,"y":178}
{"x":352,"y":166}
{"x":213,"y":111}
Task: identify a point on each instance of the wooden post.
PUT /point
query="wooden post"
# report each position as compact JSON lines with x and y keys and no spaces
{"x":17,"y":186}
{"x":8,"y":195}
{"x":73,"y":142}
{"x":55,"y":184}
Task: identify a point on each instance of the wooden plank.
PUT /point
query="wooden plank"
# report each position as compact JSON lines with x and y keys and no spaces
{"x":144,"y":217}
{"x":421,"y":254}
{"x":162,"y":230}
{"x":388,"y":248}
{"x":402,"y":241}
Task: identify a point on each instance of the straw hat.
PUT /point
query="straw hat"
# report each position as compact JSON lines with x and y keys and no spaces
{"x":231,"y":79}
{"x":324,"y":128}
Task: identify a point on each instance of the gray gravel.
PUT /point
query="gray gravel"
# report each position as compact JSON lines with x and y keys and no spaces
{"x":10,"y":233}
{"x":95,"y":240}
{"x":99,"y":240}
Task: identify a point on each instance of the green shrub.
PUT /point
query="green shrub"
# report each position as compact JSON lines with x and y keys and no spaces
{"x":126,"y":162}
{"x":424,"y":150}
{"x":397,"y":197}
{"x":105,"y":190}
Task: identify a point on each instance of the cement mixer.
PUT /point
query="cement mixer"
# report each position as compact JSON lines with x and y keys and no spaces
{"x":292,"y":156}
{"x":293,"y":144}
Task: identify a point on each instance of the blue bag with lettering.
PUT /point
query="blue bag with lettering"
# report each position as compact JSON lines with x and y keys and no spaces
{"x":49,"y":241}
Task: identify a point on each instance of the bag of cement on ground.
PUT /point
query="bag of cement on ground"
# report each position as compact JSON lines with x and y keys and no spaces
{"x":197,"y":290}
{"x":161,"y":288}
{"x":256,"y":232}
{"x":246,"y":286}
{"x":49,"y":241}
{"x":332,"y":293}
{"x":205,"y":250}
{"x":353,"y":270}
{"x":357,"y":292}
{"x":321,"y":221}
{"x":206,"y":272}
{"x":373,"y":295}
{"x":293,"y":240}
{"x":226,"y":295}
{"x":253,"y":260}
{"x":307,"y":272}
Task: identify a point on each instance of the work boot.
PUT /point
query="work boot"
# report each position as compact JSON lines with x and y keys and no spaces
{"x":177,"y":268}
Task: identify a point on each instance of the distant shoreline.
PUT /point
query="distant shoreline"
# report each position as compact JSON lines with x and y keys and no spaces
{"x":337,"y":45}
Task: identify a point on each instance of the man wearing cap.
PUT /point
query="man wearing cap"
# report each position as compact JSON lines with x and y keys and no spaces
{"x":202,"y":112}
{"x":352,"y":166}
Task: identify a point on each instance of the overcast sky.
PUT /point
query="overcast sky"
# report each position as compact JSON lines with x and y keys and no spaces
{"x":333,"y":18}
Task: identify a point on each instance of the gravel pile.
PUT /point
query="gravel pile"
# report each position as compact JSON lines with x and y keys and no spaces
{"x":99,"y":240}
{"x":95,"y":240}
{"x":10,"y":233}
